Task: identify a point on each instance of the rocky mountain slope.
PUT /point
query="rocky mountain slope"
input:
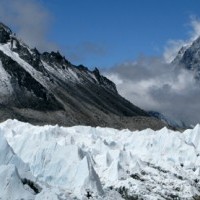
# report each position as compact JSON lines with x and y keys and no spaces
{"x":45,"y":88}
{"x":188,"y":57}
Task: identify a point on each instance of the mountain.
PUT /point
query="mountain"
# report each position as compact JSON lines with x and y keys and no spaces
{"x":188,"y":57}
{"x":174,"y":124}
{"x":45,"y":88}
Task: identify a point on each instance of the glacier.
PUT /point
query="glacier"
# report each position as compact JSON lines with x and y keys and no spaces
{"x":82,"y":162}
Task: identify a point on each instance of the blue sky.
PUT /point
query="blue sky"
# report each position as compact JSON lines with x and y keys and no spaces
{"x":104,"y":33}
{"x":120,"y":29}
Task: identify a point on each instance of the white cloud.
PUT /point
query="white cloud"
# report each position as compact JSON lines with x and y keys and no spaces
{"x":172,"y":48}
{"x":195,"y":24}
{"x":154,"y":85}
{"x":30,"y":19}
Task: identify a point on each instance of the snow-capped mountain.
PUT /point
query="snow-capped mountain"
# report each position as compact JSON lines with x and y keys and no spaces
{"x":45,"y":88}
{"x":189,"y":57}
{"x":97,"y":163}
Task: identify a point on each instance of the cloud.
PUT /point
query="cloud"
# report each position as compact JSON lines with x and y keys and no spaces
{"x":195,"y":24}
{"x":153,"y":84}
{"x":173,"y":46}
{"x":156,"y":85}
{"x":30,"y":20}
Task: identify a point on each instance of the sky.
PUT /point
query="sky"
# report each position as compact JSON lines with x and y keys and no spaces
{"x":130,"y":41}
{"x":101,"y":33}
{"x":109,"y":32}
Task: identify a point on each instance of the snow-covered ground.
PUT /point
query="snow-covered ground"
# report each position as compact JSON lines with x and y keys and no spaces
{"x":52,"y":162}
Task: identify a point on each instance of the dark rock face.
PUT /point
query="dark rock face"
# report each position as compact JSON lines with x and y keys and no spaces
{"x":176,"y":125}
{"x":27,"y":92}
{"x":47,"y":89}
{"x":5,"y":33}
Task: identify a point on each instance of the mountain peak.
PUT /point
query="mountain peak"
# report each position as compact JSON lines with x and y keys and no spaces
{"x":5,"y":33}
{"x":6,"y":28}
{"x":188,"y":57}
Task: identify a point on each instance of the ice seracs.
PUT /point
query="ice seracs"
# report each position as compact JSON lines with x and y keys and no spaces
{"x":14,"y":175}
{"x":104,"y":163}
{"x":8,"y":157}
{"x":11,"y":185}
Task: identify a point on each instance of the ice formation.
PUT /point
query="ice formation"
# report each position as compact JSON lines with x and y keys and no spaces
{"x":97,"y":163}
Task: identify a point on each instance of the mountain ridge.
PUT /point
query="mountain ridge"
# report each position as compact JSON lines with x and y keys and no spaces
{"x":188,"y":57}
{"x":45,"y":88}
